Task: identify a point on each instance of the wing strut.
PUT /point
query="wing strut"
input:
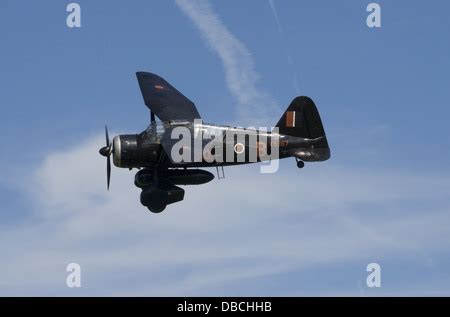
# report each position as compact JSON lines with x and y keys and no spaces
{"x":220,"y":175}
{"x":152,"y":117}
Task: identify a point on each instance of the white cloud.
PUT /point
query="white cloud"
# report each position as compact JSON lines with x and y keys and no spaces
{"x":247,"y":226}
{"x":255,"y":106}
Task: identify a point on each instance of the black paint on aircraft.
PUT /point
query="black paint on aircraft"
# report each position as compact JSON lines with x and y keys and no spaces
{"x":300,"y":135}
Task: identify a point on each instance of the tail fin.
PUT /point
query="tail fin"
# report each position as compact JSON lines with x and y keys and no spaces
{"x":302,"y":119}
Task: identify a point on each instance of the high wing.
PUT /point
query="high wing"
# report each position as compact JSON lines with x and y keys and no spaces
{"x":166,"y":102}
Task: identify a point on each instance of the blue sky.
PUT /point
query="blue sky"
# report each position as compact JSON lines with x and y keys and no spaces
{"x":383,"y":197}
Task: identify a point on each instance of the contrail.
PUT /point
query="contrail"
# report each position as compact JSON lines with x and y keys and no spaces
{"x":287,"y":49}
{"x":277,"y":20}
{"x":255,"y":106}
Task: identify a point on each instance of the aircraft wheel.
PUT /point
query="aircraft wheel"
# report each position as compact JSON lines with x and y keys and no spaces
{"x":151,"y":198}
{"x":156,"y":210}
{"x":300,"y":164}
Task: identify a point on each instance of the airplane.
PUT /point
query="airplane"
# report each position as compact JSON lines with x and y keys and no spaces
{"x":156,"y":152}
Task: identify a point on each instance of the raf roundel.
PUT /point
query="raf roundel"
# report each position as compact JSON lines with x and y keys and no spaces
{"x":239,"y":148}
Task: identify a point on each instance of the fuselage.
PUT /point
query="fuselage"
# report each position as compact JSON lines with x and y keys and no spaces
{"x":188,"y":144}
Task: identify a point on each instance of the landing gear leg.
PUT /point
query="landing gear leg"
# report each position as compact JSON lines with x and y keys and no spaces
{"x":300,"y":164}
{"x":155,"y":176}
{"x":148,"y":181}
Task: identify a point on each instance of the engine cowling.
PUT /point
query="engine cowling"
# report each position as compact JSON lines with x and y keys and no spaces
{"x":125,"y":153}
{"x":132,"y":150}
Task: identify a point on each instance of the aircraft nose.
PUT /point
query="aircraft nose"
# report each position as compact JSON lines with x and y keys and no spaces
{"x":104,"y":151}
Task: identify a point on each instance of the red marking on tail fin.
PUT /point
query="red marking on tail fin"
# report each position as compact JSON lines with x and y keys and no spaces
{"x":290,"y":119}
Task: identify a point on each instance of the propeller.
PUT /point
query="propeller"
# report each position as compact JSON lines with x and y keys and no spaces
{"x":106,"y":152}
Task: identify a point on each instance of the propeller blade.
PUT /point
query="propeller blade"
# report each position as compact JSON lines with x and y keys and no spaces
{"x":106,"y":151}
{"x":107,"y":136}
{"x":108,"y":171}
